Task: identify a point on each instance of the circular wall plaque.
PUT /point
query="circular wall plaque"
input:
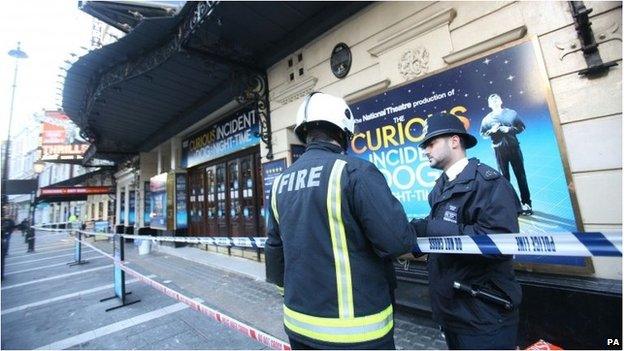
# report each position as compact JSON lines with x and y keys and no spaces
{"x":340,"y":60}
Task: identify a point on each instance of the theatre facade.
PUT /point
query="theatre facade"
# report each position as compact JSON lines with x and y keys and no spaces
{"x":197,"y":108}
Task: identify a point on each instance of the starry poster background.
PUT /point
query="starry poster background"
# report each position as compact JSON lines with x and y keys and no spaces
{"x":389,"y":128}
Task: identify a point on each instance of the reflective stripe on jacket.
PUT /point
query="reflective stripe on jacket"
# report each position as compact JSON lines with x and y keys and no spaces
{"x":333,"y":228}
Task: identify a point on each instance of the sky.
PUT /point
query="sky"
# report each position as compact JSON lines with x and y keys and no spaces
{"x":48,"y":31}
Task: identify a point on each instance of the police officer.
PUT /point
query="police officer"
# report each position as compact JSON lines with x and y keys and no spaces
{"x":469,"y":198}
{"x":333,"y":229}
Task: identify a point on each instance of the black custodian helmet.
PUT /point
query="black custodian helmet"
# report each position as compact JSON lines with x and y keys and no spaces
{"x":446,"y":124}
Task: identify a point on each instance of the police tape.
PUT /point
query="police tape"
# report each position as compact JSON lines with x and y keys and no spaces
{"x":43,"y":229}
{"x":586,"y":244}
{"x":249,"y":242}
{"x":255,"y":334}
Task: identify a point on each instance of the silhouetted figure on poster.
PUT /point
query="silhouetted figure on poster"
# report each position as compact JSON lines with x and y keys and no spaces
{"x":501,"y":126}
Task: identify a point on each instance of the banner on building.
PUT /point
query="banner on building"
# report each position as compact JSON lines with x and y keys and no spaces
{"x":60,"y":139}
{"x":491,"y":95}
{"x":180,"y":202}
{"x":234,"y":133}
{"x":131,"y":208}
{"x":158,"y":202}
{"x":74,"y":190}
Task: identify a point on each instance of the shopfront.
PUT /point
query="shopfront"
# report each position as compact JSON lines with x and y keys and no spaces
{"x":224,"y":177}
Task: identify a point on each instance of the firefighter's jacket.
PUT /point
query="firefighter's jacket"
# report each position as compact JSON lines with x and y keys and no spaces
{"x":333,"y":228}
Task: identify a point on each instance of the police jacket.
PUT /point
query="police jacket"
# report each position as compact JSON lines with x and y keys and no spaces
{"x":478,"y":201}
{"x":333,"y":228}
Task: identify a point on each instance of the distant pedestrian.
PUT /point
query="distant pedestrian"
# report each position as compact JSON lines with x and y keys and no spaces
{"x":30,"y":236}
{"x":8,"y":225}
{"x":22,"y":226}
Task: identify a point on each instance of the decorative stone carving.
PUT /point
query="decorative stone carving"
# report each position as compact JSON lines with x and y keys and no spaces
{"x":414,"y":63}
{"x":294,"y":90}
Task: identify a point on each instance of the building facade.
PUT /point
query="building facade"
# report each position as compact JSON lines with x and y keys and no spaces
{"x":206,"y":171}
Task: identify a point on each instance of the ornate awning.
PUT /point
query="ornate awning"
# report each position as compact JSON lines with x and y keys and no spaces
{"x":170,"y":72}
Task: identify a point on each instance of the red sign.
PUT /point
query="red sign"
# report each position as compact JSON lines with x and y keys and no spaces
{"x":76,"y":190}
{"x":60,"y":138}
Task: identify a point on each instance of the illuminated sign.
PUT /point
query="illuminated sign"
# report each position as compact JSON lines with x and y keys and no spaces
{"x":60,"y":138}
{"x":76,"y":190}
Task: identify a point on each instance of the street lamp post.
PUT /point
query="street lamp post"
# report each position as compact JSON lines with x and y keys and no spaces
{"x":17,"y":54}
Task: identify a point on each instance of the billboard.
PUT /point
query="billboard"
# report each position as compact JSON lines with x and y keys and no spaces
{"x":487,"y":94}
{"x":60,"y":139}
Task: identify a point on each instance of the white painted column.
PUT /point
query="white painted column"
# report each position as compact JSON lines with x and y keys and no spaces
{"x":159,"y":160}
{"x":118,"y":205}
{"x":127,"y":204}
{"x":175,"y":150}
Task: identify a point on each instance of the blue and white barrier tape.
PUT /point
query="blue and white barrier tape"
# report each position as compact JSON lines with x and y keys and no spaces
{"x":548,"y":244}
{"x":252,"y":242}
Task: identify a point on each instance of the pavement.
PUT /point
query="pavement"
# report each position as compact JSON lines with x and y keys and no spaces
{"x":48,"y":304}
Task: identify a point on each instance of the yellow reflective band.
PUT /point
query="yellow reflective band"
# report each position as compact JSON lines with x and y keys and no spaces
{"x":280,"y":290}
{"x":274,"y":198}
{"x":339,"y":242}
{"x":340,"y":330}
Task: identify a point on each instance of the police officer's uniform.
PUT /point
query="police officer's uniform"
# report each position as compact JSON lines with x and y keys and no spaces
{"x":333,"y":228}
{"x":478,"y":201}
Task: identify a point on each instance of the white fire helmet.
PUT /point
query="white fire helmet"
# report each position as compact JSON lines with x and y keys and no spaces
{"x":321,"y":107}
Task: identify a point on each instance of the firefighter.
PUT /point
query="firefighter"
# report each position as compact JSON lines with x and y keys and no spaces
{"x":334,"y":227}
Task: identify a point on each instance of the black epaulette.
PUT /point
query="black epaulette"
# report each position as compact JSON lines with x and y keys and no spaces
{"x":487,"y":172}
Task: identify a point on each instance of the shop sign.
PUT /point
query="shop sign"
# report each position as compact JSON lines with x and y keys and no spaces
{"x":75,"y":190}
{"x":270,"y":171}
{"x":234,"y":133}
{"x":158,"y":201}
{"x":100,"y":226}
{"x":60,"y":138}
{"x":489,"y":94}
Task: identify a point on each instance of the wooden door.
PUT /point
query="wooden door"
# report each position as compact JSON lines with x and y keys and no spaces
{"x":192,"y":205}
{"x":234,"y":198}
{"x":221,"y":191}
{"x":259,"y":197}
{"x":211,"y":201}
{"x":248,"y":196}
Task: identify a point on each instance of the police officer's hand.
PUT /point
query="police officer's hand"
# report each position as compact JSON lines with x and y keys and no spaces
{"x":420,"y":226}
